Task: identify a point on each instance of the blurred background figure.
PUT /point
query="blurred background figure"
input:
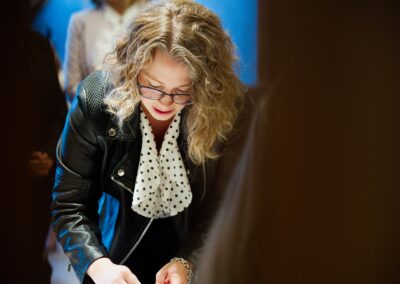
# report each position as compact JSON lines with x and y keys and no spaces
{"x":91,"y":35}
{"x":34,"y":117}
{"x":316,"y":194}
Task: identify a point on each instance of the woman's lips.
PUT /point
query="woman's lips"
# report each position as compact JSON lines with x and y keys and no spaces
{"x":162,"y":112}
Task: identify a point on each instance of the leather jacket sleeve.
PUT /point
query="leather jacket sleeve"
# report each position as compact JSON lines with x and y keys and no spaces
{"x":76,"y":189}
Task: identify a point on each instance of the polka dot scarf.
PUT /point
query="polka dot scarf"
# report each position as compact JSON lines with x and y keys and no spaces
{"x":162,"y":188}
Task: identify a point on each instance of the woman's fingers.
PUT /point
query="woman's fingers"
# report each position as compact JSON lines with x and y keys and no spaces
{"x":161,"y":276}
{"x":131,"y":278}
{"x":175,"y":278}
{"x":103,"y":271}
{"x":172,"y":273}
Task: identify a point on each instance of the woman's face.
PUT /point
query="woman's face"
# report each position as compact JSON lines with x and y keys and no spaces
{"x":168,"y":75}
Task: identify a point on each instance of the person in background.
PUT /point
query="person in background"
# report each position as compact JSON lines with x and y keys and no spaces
{"x":154,"y":135}
{"x":91,"y":35}
{"x":35,"y":114}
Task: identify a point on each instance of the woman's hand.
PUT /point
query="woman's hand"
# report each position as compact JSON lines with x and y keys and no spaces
{"x":173,"y":272}
{"x":103,"y":271}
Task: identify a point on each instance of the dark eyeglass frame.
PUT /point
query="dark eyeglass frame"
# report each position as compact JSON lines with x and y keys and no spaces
{"x":163,"y":94}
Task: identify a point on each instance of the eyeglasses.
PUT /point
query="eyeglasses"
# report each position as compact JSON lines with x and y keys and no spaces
{"x":155,"y":94}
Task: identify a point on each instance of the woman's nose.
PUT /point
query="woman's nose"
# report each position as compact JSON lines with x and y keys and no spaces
{"x":167,"y":100}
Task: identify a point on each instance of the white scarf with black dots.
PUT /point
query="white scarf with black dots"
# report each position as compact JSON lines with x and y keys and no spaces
{"x":162,"y":188}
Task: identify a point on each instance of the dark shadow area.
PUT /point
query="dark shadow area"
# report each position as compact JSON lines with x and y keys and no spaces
{"x":318,"y":201}
{"x":32,"y":118}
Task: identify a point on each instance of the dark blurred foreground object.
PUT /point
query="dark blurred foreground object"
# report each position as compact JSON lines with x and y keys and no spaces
{"x":33,"y":114}
{"x":316,"y":195}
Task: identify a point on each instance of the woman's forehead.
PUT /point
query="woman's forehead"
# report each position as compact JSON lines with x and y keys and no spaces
{"x":166,"y":70}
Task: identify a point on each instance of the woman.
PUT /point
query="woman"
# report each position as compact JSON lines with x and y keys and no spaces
{"x":147,"y":146}
{"x":91,"y":35}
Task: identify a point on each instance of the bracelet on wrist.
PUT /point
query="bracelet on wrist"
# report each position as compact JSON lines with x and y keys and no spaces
{"x":187,"y":266}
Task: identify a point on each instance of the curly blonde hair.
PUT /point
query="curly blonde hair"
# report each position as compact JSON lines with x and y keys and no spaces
{"x":193,"y":35}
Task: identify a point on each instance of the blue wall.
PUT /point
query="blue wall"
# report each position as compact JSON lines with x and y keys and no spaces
{"x":238,"y":17}
{"x":52,"y":20}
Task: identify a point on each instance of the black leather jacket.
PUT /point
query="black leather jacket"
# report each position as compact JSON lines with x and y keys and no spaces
{"x":96,"y":170}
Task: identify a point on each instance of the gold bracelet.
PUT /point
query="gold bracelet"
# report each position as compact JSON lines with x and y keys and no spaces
{"x":187,"y":266}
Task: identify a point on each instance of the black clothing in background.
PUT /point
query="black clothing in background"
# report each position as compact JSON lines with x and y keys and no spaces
{"x":33,"y":114}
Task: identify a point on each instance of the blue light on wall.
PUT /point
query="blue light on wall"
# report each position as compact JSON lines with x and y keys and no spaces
{"x":238,"y":17}
{"x":52,"y":21}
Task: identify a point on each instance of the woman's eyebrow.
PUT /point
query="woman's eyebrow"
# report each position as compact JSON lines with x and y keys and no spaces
{"x":186,"y":85}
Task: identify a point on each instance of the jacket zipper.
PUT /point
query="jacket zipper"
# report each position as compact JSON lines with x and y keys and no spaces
{"x":137,"y":243}
{"x":121,"y":184}
{"x":145,"y":229}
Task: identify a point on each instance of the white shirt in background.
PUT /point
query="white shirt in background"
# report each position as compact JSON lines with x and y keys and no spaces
{"x":91,"y":35}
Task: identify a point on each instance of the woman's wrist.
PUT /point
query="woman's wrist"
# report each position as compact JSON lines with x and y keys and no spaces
{"x":98,"y":265}
{"x":188,"y":265}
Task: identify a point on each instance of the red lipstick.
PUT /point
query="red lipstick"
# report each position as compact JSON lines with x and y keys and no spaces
{"x":161,"y":112}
